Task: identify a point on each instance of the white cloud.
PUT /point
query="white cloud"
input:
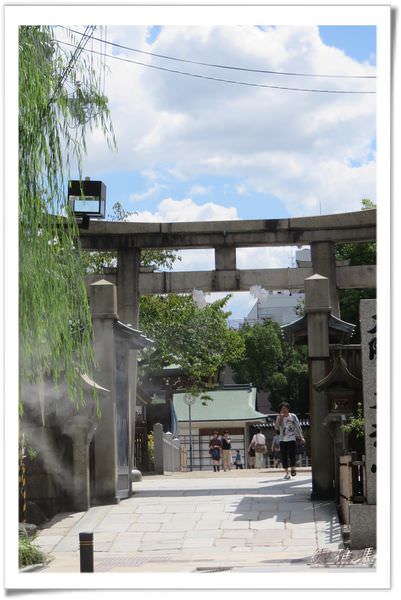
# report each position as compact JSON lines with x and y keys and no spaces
{"x":139,"y":197}
{"x":199,"y":190}
{"x":170,"y":210}
{"x":150,"y":174}
{"x":247,"y":258}
{"x":331,"y":186}
{"x":265,"y":258}
{"x":195,"y":260}
{"x":297,"y":146}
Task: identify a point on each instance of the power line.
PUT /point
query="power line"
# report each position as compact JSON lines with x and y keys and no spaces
{"x":217,"y":66}
{"x":259,"y":85}
{"x":86,"y":36}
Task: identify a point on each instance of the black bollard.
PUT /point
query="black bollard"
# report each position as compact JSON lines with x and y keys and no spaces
{"x":86,"y":552}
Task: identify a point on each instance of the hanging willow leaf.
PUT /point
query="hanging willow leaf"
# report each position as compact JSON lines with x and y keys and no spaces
{"x":60,"y":101}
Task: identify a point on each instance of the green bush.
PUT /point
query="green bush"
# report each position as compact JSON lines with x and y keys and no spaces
{"x":355,"y":428}
{"x":356,"y":424}
{"x":28,"y":553}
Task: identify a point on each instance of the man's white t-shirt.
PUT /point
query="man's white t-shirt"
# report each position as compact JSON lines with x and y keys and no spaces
{"x":290,"y":428}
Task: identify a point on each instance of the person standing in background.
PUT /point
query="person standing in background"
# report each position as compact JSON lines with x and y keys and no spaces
{"x":289,"y":428}
{"x":258,"y":442}
{"x":275,"y":450}
{"x":251,"y":457}
{"x":226,"y":447}
{"x":214,"y":450}
{"x":238,"y":460}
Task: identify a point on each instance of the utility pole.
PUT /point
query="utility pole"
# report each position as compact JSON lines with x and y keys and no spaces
{"x":189,"y":399}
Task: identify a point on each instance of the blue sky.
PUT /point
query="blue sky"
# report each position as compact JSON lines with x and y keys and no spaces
{"x":356,"y":41}
{"x":191,"y":148}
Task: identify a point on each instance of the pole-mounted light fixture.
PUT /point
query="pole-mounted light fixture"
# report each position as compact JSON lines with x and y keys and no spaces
{"x":87,"y":199}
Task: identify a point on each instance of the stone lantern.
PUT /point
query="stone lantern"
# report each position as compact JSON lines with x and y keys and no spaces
{"x":343,"y":390}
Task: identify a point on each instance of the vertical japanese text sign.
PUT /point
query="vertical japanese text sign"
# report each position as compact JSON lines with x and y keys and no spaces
{"x":368,"y":345}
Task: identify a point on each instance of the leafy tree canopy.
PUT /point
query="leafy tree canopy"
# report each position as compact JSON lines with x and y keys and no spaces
{"x":358,"y":254}
{"x":273,"y":365}
{"x":196,"y":339}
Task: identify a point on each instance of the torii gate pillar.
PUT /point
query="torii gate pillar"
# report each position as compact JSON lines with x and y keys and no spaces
{"x":128,"y":286}
{"x":128,"y":297}
{"x":317,"y":309}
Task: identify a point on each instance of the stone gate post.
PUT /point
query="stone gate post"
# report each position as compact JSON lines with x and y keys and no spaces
{"x":317,"y":309}
{"x":104,"y":312}
{"x":128,"y":296}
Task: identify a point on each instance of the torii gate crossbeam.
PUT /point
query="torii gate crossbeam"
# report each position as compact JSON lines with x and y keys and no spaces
{"x":322,"y":233}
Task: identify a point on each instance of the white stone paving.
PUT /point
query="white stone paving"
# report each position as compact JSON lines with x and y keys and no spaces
{"x":193,"y":520}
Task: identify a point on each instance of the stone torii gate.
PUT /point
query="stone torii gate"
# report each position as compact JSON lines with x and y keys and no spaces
{"x":322,"y":233}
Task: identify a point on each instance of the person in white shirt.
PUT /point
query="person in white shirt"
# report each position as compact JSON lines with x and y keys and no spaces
{"x":226,"y":448}
{"x":258,"y":442}
{"x":289,"y":428}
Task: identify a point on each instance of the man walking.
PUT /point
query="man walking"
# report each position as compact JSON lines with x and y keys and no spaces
{"x":289,"y":428}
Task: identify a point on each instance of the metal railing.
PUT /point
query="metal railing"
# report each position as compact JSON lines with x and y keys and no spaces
{"x":202,"y":461}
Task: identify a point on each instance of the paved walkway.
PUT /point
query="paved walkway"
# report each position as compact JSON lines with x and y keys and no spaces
{"x":201,"y":521}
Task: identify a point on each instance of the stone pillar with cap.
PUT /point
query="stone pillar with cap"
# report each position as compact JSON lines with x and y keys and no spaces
{"x":323,"y":255}
{"x":128,"y":262}
{"x":317,"y":310}
{"x":104,"y":313}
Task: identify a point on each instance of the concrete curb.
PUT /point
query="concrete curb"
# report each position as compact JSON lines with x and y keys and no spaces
{"x":32,"y":568}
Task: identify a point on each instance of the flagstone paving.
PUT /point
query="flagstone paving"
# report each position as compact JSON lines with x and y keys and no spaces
{"x":183,"y":524}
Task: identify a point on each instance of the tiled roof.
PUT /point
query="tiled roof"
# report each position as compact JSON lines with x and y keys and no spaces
{"x":226,"y":405}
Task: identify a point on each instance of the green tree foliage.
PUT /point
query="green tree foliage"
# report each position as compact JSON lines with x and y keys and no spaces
{"x":60,"y":101}
{"x":357,"y":254}
{"x":355,"y":428}
{"x":197,"y":339}
{"x":99,"y":262}
{"x":263,"y":352}
{"x":273,"y":365}
{"x":355,"y":424}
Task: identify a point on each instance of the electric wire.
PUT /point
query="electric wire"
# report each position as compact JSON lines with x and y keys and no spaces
{"x":218,"y":66}
{"x":210,"y":78}
{"x":86,"y":36}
